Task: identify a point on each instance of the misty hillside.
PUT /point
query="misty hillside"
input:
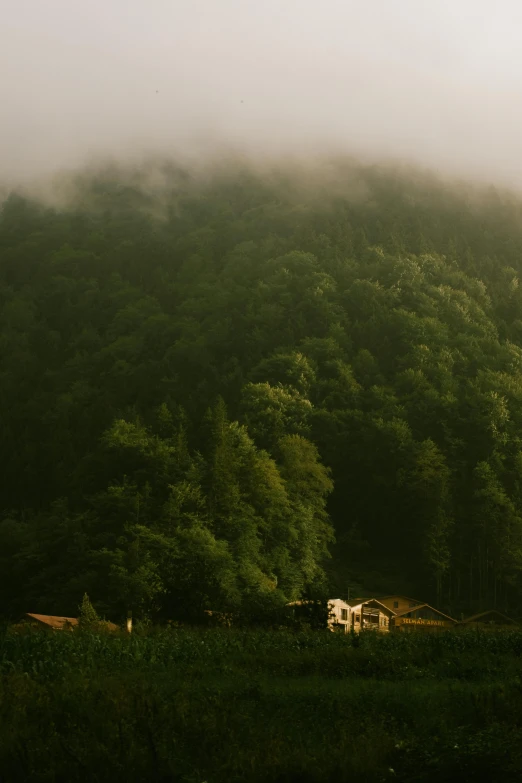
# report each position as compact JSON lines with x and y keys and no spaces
{"x":206,"y":379}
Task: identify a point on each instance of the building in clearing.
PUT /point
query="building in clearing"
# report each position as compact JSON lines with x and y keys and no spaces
{"x":399,"y":603}
{"x":358,"y":615}
{"x":369,"y":615}
{"x":490,"y":620}
{"x":422,"y":617}
{"x":58,"y":623}
{"x":52,"y":621}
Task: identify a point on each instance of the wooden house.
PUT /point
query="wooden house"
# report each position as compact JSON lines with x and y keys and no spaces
{"x":422,"y":617}
{"x":490,"y":620}
{"x":399,"y":603}
{"x":345,"y":616}
{"x":369,"y":615}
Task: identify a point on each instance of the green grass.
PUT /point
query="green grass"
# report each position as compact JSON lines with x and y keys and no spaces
{"x":192,"y":706}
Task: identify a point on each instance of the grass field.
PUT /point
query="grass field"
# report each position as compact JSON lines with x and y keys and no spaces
{"x":229,"y":705}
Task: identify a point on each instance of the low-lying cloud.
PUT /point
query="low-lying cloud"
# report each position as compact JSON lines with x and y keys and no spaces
{"x":435,"y":83}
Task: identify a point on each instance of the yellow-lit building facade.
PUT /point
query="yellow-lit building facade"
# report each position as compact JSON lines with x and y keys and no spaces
{"x":422,"y":617}
{"x":369,"y":615}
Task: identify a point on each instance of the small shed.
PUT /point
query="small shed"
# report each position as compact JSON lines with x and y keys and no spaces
{"x":52,"y":621}
{"x":59,"y":623}
{"x":422,"y":617}
{"x":490,"y":620}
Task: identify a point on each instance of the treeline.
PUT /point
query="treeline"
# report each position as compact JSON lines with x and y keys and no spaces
{"x":203,"y":383}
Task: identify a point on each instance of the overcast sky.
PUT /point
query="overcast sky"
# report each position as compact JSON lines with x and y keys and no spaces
{"x":438,"y":81}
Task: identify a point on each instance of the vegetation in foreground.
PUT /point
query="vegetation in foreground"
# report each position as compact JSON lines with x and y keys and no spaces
{"x":230,"y":705}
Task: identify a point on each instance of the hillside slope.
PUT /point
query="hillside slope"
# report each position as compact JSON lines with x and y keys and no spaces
{"x":186,"y":369}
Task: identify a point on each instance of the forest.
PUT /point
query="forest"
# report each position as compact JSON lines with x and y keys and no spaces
{"x":229,"y":387}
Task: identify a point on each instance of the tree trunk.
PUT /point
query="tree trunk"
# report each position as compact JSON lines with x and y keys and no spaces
{"x":471,"y":581}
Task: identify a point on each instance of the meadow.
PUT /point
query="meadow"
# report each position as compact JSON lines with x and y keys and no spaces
{"x":194,"y":705}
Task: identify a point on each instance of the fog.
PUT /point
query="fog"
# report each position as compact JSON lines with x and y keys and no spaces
{"x":438,"y":83}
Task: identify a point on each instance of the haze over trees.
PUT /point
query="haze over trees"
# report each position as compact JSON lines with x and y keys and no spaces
{"x":211,"y":382}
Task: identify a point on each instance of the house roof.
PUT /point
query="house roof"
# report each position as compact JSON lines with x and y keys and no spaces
{"x":361,"y":601}
{"x":53,"y":621}
{"x":58,"y":623}
{"x":424,"y":606}
{"x":404,"y":597}
{"x":477,"y":618}
{"x":310,"y":602}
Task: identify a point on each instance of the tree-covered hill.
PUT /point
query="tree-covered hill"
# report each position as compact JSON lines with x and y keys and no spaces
{"x":203,"y":376}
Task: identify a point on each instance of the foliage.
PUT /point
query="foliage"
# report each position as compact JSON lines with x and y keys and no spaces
{"x":218,"y":705}
{"x":198,"y":383}
{"x":88,"y":617}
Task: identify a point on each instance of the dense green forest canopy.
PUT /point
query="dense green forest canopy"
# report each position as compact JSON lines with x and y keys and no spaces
{"x":227,"y":388}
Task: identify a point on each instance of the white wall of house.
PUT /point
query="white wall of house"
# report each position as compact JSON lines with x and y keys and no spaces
{"x":356,"y":615}
{"x":340,"y":615}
